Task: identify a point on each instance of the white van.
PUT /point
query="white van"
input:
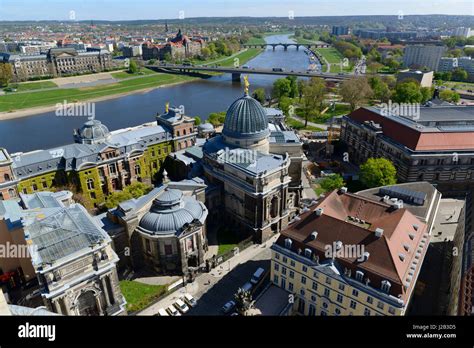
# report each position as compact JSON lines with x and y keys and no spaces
{"x":257,"y":275}
{"x":181,"y":306}
{"x":173,"y":311}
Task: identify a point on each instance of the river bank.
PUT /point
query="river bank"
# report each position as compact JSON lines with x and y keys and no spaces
{"x":37,"y":102}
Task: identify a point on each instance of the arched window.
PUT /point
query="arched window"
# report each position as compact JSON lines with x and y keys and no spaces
{"x":274,"y":208}
{"x":90,"y":184}
{"x":137,"y":169}
{"x":7,"y":177}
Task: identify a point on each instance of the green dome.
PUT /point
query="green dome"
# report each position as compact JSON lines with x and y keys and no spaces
{"x":246,"y":119}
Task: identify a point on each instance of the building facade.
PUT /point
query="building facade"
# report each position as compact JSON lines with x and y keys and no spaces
{"x":57,"y":62}
{"x":434,"y":145}
{"x":349,"y":255}
{"x":180,"y":47}
{"x":99,"y":162}
{"x":165,"y":229}
{"x":69,"y":254}
{"x":254,"y":172}
{"x":420,"y":56}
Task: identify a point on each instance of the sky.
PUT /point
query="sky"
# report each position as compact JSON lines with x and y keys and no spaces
{"x":168,"y":9}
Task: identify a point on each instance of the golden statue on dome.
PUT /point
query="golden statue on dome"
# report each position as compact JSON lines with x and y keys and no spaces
{"x":246,"y":84}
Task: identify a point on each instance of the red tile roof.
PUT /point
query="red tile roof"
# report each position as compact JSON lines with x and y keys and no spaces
{"x":413,"y":138}
{"x":384,"y":262}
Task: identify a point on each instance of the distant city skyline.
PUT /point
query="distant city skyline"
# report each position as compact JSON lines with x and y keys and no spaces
{"x":149,"y":10}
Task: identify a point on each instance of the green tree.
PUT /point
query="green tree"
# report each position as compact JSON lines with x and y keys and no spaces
{"x":408,"y":91}
{"x":259,"y":94}
{"x":459,"y":74}
{"x":355,"y":91}
{"x":449,"y":96}
{"x":312,"y":102}
{"x":293,"y":86}
{"x":197,"y":120}
{"x":426,"y":94}
{"x":133,"y":68}
{"x":284,"y":104}
{"x":380,"y":89}
{"x":6,"y":74}
{"x":378,"y":172}
{"x":281,"y":87}
{"x":217,"y":118}
{"x":332,"y":182}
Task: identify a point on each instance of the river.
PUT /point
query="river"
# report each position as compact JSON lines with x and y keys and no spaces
{"x":200,"y":97}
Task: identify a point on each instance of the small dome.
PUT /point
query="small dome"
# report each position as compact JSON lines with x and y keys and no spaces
{"x":170,"y":212}
{"x":206,"y":127}
{"x":92,"y":132}
{"x":246,"y":118}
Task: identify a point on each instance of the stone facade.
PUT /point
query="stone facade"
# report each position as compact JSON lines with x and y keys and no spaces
{"x":179,"y":47}
{"x":57,"y":62}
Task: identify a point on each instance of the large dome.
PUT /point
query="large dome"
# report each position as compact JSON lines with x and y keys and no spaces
{"x":170,"y":212}
{"x":92,"y":132}
{"x":246,"y":119}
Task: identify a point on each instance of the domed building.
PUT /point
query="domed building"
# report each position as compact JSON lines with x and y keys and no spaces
{"x":165,"y":229}
{"x":92,"y":132}
{"x":253,"y":170}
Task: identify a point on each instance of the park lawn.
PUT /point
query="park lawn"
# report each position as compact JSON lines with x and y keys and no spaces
{"x":139,"y":295}
{"x":256,"y":41}
{"x":331,"y":54}
{"x":459,"y":85}
{"x":125,"y":74}
{"x":13,"y":102}
{"x":243,"y":57}
{"x":31,"y":86}
{"x":226,"y":240}
{"x":298,"y":125}
{"x":340,"y":109}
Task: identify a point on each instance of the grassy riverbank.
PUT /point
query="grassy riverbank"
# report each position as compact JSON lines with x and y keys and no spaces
{"x":12,"y":102}
{"x":131,"y":83}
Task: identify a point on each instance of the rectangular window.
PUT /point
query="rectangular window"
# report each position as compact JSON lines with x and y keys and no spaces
{"x":327,"y":292}
{"x":355,"y":293}
{"x":339,"y":298}
{"x":275,"y":279}
{"x":303,"y":280}
{"x":328,"y":280}
{"x":277,"y":256}
{"x":305,"y":269}
{"x":277,"y":267}
{"x":380,"y":305}
{"x":315,"y":286}
{"x":285,"y":259}
{"x":292,"y":274}
{"x":366,"y":312}
{"x":391,"y":310}
{"x":283,"y":270}
{"x":341,"y":287}
{"x":370,"y":300}
{"x":315,"y":275}
{"x":290,"y":286}
{"x":353,"y":304}
{"x":292,"y":263}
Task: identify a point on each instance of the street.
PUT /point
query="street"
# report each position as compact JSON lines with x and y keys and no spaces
{"x":212,"y":290}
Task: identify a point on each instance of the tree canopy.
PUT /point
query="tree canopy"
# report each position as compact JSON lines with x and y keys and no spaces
{"x":378,"y":172}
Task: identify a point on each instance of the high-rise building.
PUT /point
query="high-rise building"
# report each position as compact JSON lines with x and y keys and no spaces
{"x":421,"y":56}
{"x":340,"y":30}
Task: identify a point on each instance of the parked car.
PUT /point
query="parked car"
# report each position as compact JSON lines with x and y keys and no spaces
{"x":228,"y":307}
{"x":278,"y":69}
{"x":257,"y":275}
{"x":191,"y":301}
{"x":173,"y":311}
{"x":245,"y":67}
{"x":247,"y":286}
{"x":181,"y":306}
{"x":162,"y":313}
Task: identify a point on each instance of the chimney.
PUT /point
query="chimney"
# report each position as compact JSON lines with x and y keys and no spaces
{"x":343,"y":190}
{"x":314,"y":235}
{"x":378,"y":232}
{"x":366,"y":256}
{"x":319,"y":211}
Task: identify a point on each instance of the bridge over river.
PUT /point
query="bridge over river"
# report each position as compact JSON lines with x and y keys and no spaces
{"x":237,"y":71}
{"x":288,"y":44}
